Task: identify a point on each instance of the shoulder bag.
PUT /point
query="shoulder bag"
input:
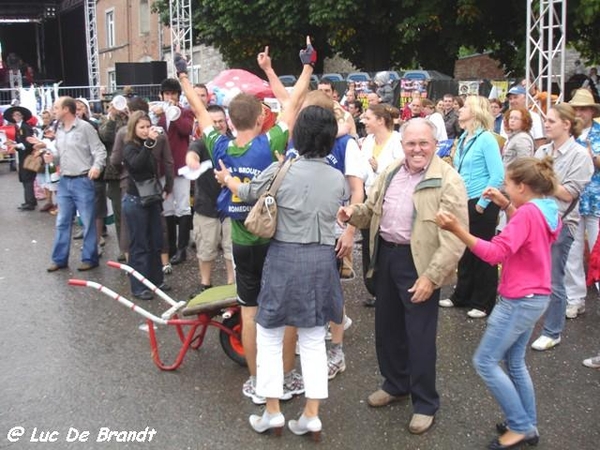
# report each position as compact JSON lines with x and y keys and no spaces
{"x":34,"y":162}
{"x":262,"y":218}
{"x":150,"y":190}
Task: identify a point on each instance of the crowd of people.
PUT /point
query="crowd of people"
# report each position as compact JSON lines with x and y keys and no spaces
{"x":516,"y":191}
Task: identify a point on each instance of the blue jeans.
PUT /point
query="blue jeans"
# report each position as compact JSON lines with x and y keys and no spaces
{"x":509,"y":328}
{"x":145,"y":240}
{"x":555,"y":316}
{"x":75,"y":194}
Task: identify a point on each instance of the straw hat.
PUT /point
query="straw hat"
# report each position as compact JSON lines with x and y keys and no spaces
{"x":584,"y":99}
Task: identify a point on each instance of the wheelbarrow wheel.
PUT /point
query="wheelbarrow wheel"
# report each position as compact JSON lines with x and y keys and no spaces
{"x":232,"y":344}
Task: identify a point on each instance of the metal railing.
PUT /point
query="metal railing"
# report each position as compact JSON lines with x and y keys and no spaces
{"x":148,"y":92}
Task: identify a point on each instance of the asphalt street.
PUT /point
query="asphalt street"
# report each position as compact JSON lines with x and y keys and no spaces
{"x":74,"y":367}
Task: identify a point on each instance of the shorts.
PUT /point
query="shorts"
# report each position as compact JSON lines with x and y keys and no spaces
{"x":249,"y":261}
{"x":209,"y":233}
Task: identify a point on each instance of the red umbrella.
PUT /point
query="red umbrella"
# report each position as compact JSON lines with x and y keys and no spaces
{"x":230,"y":82}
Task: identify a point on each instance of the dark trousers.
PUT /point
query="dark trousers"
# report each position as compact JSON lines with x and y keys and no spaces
{"x":113,"y":192}
{"x":405,"y":332}
{"x":29,"y":193}
{"x":145,"y":240}
{"x":477,"y":282}
{"x":366,"y":260}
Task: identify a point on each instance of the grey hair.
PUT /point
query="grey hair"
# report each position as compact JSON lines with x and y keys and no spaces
{"x":422,"y":121}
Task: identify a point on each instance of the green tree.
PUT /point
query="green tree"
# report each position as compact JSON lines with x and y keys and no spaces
{"x":379,"y":34}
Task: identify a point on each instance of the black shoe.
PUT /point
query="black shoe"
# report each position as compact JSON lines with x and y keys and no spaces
{"x":26,"y":207}
{"x":369,"y":302}
{"x":502,"y":427}
{"x":144,"y":295}
{"x":527,"y":439}
{"x":203,"y":287}
{"x":165,"y":287}
{"x":180,"y":256}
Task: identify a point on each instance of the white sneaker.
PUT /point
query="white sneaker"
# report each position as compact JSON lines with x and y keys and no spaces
{"x":476,"y":314}
{"x":574,"y":310}
{"x":446,"y":303}
{"x":347,"y":324}
{"x":545,"y":343}
{"x":593,"y":363}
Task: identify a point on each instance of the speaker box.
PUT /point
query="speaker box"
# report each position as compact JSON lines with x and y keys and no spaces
{"x":140,"y":73}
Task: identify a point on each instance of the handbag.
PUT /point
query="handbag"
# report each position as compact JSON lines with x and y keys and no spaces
{"x":262,"y":218}
{"x":150,"y":191}
{"x":34,"y":162}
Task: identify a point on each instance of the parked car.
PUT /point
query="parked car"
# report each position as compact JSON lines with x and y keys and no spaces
{"x":287,"y":80}
{"x":358,"y":76}
{"x":334,"y":77}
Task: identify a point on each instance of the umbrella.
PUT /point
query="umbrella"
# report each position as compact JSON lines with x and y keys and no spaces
{"x":231,"y":82}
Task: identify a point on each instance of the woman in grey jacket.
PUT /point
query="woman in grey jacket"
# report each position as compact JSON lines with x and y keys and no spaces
{"x":300,"y":283}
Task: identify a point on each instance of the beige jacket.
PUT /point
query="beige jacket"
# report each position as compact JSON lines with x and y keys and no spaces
{"x":435,"y":252}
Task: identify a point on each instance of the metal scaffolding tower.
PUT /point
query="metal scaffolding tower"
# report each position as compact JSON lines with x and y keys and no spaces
{"x":92,"y":49}
{"x":180,"y":12}
{"x":546,"y":36}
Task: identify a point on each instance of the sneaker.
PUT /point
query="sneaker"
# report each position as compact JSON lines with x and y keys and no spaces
{"x":336,"y":363}
{"x":593,"y":363}
{"x":292,"y":385}
{"x":545,"y":343}
{"x":476,"y":314}
{"x":167,"y":269}
{"x":347,"y":324}
{"x":249,"y":390}
{"x":574,"y":310}
{"x":446,"y":303}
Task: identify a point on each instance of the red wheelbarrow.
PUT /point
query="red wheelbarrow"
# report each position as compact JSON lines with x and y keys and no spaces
{"x":203,"y":311}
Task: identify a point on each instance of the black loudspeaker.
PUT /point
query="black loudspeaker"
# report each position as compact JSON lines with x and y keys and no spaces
{"x":140,"y":73}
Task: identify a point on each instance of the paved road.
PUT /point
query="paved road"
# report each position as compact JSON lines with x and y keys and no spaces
{"x":71,"y":358}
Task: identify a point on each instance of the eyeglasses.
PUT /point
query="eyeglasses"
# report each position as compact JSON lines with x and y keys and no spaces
{"x":412,"y":144}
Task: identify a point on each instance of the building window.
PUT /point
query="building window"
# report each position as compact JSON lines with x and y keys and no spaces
{"x":144,"y":17}
{"x":112,"y":81}
{"x":110,"y":28}
{"x":195,"y":73}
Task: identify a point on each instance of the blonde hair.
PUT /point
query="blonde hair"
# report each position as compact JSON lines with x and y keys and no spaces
{"x":480,"y":109}
{"x":566,"y":112}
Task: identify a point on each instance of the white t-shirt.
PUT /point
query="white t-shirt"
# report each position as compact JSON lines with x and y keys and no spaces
{"x":390,"y":152}
{"x":437,"y":119}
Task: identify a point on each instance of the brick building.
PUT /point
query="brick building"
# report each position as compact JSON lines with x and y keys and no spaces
{"x":478,"y":66}
{"x":127,"y":32}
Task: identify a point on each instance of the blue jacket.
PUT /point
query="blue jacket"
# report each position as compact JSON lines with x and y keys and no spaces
{"x":479,"y":163}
